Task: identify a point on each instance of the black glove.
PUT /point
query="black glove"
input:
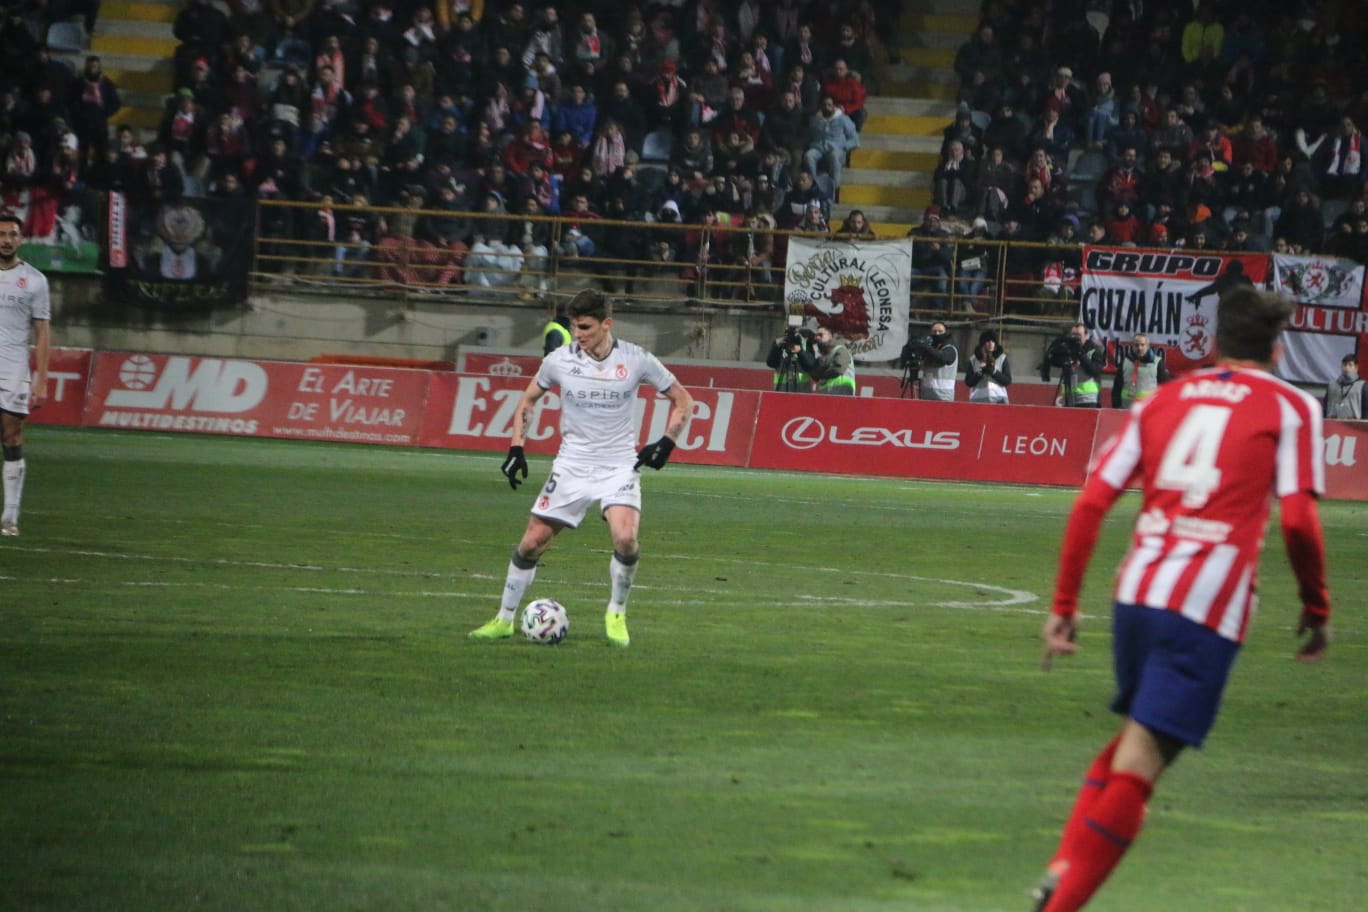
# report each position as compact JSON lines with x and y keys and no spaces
{"x":655,"y":454}
{"x":514,"y":463}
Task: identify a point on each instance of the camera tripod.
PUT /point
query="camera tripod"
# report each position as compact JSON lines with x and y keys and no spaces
{"x":786,"y":377}
{"x":1067,"y":395}
{"x":910,"y":387}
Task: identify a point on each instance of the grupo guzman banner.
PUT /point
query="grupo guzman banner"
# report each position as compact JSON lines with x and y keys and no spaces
{"x":857,"y":289}
{"x":1169,"y":296}
{"x":1331,"y":320}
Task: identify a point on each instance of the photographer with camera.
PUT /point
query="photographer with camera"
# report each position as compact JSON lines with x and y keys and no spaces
{"x":988,"y":374}
{"x":1139,"y":371}
{"x":1080,"y":361}
{"x":789,"y":377}
{"x":829,"y":363}
{"x":930,"y":365}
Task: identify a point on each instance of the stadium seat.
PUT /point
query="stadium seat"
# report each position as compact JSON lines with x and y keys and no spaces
{"x":1333,"y":209}
{"x":66,"y":37}
{"x":657,"y":146}
{"x":1090,"y":167}
{"x":193,"y":186}
{"x":826,"y":186}
{"x":980,"y":119}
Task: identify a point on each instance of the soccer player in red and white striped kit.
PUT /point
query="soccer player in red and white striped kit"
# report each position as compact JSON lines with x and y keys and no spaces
{"x":1210,"y":451}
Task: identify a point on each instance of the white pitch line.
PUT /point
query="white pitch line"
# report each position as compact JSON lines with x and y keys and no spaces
{"x":1009,"y":598}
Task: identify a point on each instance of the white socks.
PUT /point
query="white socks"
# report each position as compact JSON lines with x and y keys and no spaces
{"x":520,"y":576}
{"x":621,"y":572}
{"x":14,"y":489}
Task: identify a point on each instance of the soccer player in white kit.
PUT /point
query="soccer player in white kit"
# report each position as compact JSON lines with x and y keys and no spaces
{"x":598,"y":377}
{"x":24,"y":306}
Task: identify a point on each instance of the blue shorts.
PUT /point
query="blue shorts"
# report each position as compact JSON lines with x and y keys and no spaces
{"x":1170,"y":671}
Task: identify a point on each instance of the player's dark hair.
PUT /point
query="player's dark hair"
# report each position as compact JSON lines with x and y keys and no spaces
{"x":11,"y":217}
{"x":590,"y":302}
{"x":1248,"y":322}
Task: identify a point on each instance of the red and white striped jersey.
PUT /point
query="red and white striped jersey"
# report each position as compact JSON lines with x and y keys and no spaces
{"x":1210,"y":451}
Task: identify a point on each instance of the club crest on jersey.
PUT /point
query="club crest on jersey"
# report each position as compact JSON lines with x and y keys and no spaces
{"x":621,"y":372}
{"x":543,"y":502}
{"x":22,"y":282}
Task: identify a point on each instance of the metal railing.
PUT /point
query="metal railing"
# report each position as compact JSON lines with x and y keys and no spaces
{"x":728,"y":264}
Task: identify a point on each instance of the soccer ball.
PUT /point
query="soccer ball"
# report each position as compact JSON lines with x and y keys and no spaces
{"x":545,"y":621}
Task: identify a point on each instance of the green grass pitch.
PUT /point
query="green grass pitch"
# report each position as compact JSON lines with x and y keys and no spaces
{"x":234,"y":675}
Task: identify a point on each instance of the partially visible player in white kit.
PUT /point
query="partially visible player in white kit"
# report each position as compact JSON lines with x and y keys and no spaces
{"x":24,"y":306}
{"x":598,"y":461}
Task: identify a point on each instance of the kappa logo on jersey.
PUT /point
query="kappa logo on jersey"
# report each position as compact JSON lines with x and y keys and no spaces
{"x":576,"y":372}
{"x":196,"y":384}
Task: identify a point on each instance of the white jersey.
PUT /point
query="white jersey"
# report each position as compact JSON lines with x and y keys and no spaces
{"x":23,"y":299}
{"x":598,"y":398}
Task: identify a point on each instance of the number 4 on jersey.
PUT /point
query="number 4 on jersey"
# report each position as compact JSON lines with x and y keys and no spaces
{"x":1189,"y":463}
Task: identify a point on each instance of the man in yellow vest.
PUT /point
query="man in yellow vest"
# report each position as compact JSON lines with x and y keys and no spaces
{"x":831,"y":364}
{"x":1139,"y":371}
{"x":556,"y":333}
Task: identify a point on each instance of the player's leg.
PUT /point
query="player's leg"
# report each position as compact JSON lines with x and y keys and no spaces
{"x":522,"y":569}
{"x":623,"y":523}
{"x":1170,"y":676}
{"x":12,"y":437}
{"x":1093,"y":847}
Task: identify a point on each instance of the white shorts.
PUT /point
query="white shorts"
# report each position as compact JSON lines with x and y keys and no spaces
{"x":14,"y":395}
{"x":572,"y":487}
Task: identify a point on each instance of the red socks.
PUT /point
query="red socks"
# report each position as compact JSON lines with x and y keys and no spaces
{"x":1093,"y":782}
{"x":1104,"y":823}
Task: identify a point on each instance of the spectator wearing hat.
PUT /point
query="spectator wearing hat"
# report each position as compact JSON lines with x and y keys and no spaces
{"x":182,"y":129}
{"x":989,"y":373}
{"x":963,"y":129}
{"x":202,"y":83}
{"x":1065,"y":97}
{"x":932,"y":256}
{"x":1104,"y":112}
{"x":831,"y":137}
{"x":201,"y":28}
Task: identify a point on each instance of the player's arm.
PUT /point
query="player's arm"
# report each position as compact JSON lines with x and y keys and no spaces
{"x":656,"y":454}
{"x":523,"y":415}
{"x":514,"y":466}
{"x":42,"y":354}
{"x":1075,"y":553}
{"x":1105,"y":483}
{"x":1301,"y":531}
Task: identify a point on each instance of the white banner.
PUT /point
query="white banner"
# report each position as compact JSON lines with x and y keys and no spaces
{"x":1169,"y":296}
{"x":1330,"y":321}
{"x":858,"y":289}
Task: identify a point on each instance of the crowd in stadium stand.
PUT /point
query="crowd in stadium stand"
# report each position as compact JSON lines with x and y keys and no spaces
{"x":1215,"y":124}
{"x":1121,"y":121}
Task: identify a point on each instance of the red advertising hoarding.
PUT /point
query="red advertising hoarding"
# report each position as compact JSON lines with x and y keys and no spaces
{"x":257,"y":398}
{"x":923,"y":439}
{"x":471,"y":412}
{"x":68,"y":381}
{"x":694,"y":376}
{"x":868,"y":436}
